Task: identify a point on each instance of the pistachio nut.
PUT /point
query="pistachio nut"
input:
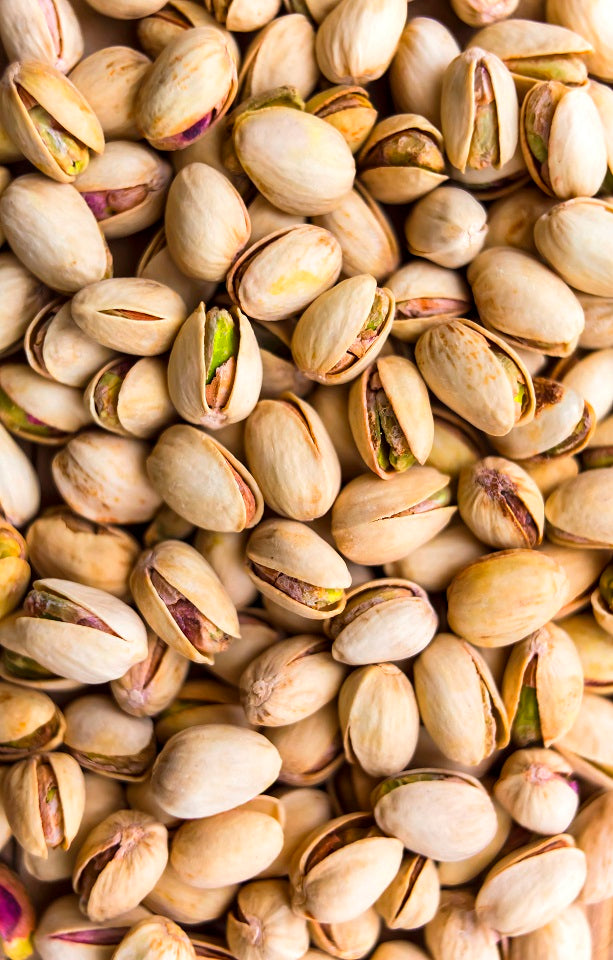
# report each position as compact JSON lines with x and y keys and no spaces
{"x":292,"y":565}
{"x":456,"y":444}
{"x":103,"y":478}
{"x":447,"y":226}
{"x":283,"y":52}
{"x":155,"y":935}
{"x":402,"y":159}
{"x":536,"y":788}
{"x":36,"y":409}
{"x":157,"y":264}
{"x":410,"y":901}
{"x":183,"y":601}
{"x":263,"y":925}
{"x":457,"y":927}
{"x":29,"y":722}
{"x":542,"y":687}
{"x":119,"y":863}
{"x":490,"y":183}
{"x":156,"y":30}
{"x":591,"y":829}
{"x":568,"y":934}
{"x":183,"y":903}
{"x":350,"y":790}
{"x":289,"y":681}
{"x":342,"y":868}
{"x":349,"y":109}
{"x":578,"y":512}
{"x":241,"y":764}
{"x":589,"y":21}
{"x":458,"y":700}
{"x":349,"y":940}
{"x":109,"y":79}
{"x":49,"y":119}
{"x":553,"y":869}
{"x":388,"y":619}
{"x":438,"y":560}
{"x":587,"y":744}
{"x":356,"y":42}
{"x":57,"y":349}
{"x":591,"y":375}
{"x":304,"y":809}
{"x":103,"y":738}
{"x":477,"y":375}
{"x":425,"y":296}
{"x":602,"y":600}
{"x":478,"y":13}
{"x":425,"y":50}
{"x":44,"y":799}
{"x":226,"y":554}
{"x":54,"y":213}
{"x":241,"y":15}
{"x":29,"y":30}
{"x":463,"y":871}
{"x":18,"y":920}
{"x":14,"y":568}
{"x":511,"y":219}
{"x":574,"y":237}
{"x":311,"y":751}
{"x":479,"y":111}
{"x":595,"y":648}
{"x":366,"y":236}
{"x":189,"y":88}
{"x":23,"y":297}
{"x":63,"y":933}
{"x":181,"y":458}
{"x":197,"y":703}
{"x":129,"y":397}
{"x":535,"y":51}
{"x":501,"y":504}
{"x":310,"y":179}
{"x":281,"y":274}
{"x":150,"y":686}
{"x":439,"y":814}
{"x":343,"y":330}
{"x":19,"y":668}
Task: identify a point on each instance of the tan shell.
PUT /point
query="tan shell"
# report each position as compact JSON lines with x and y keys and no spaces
{"x":155,"y":32}
{"x":283,"y":52}
{"x":588,"y":20}
{"x":559,"y":410}
{"x":23,"y":297}
{"x":592,"y":377}
{"x":66,"y":354}
{"x":587,"y":744}
{"x":410,"y":901}
{"x":591,"y":830}
{"x":23,"y":713}
{"x":438,"y":560}
{"x":311,"y":751}
{"x":595,"y":648}
{"x":582,"y":567}
{"x":580,"y":511}
{"x":19,"y":483}
{"x":478,"y":13}
{"x":574,"y":238}
{"x":304,"y":809}
{"x":187,"y":904}
{"x":511,"y":219}
{"x":109,"y":79}
{"x":26,"y":34}
{"x":390,"y":184}
{"x":180,"y":460}
{"x":501,"y":504}
{"x":338,"y":106}
{"x":534,"y":787}
{"x":425,"y":50}
{"x":457,"y":923}
{"x":423,"y":287}
{"x":143,"y":406}
{"x":52,"y":404}
{"x":463,"y":871}
{"x":598,"y":330}
{"x":243,"y":15}
{"x":108,"y":741}
{"x":226,"y":554}
{"x":63,"y":917}
{"x":266,"y":219}
{"x":263,"y":925}
{"x":447,"y":226}
{"x":168,"y":940}
{"x":356,"y":42}
{"x":348,"y":940}
{"x":151,"y":685}
{"x":157,"y":264}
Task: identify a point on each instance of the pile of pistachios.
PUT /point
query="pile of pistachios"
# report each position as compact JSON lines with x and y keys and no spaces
{"x":306,"y":527}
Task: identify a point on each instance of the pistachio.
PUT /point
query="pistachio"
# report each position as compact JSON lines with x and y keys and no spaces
{"x":151,"y":685}
{"x":501,"y":504}
{"x":511,"y":219}
{"x":585,"y":494}
{"x":63,"y":931}
{"x":57,"y":349}
{"x":587,"y":20}
{"x":30,"y":722}
{"x":129,"y":396}
{"x":19,"y":484}
{"x":37,"y":409}
{"x":463,"y":871}
{"x":14,"y":568}
{"x":356,"y":42}
{"x":425,"y":296}
{"x":109,"y":79}
{"x":438,"y":560}
{"x":263,"y":925}
{"x":595,"y":649}
{"x":478,"y":13}
{"x":241,"y":15}
{"x":573,"y":237}
{"x":184,"y":903}
{"x":31,"y":30}
{"x":17,"y":918}
{"x":155,"y":936}
{"x":410,"y":901}
{"x":447,"y":226}
{"x":591,"y":828}
{"x":456,"y":926}
{"x":225,"y":552}
{"x":347,"y":108}
{"x":402,"y":159}
{"x":156,"y":30}
{"x":349,"y":940}
{"x":425,"y":50}
{"x":570,"y":930}
{"x":199,"y":702}
{"x":587,"y":744}
{"x":536,"y":788}
{"x":311,"y":751}
{"x":24,"y":296}
{"x":157,"y":264}
{"x":283,"y":52}
{"x":106,"y":740}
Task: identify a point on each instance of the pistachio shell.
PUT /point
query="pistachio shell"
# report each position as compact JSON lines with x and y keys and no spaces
{"x":105,"y":739}
{"x":62,"y":932}
{"x":157,"y":30}
{"x":511,"y":219}
{"x":587,"y":744}
{"x":19,"y":483}
{"x":562,"y":424}
{"x":226,"y":554}
{"x":283,"y":52}
{"x":58,"y":349}
{"x":346,"y":941}
{"x":591,"y":830}
{"x":463,"y":871}
{"x":406,"y":181}
{"x":478,"y":13}
{"x":311,"y":750}
{"x":586,"y":19}
{"x":265,"y":907}
{"x":357,"y":41}
{"x":457,"y":924}
{"x":425,"y":50}
{"x":501,"y":504}
{"x":595,"y":648}
{"x":534,"y":786}
{"x":47,"y":412}
{"x":187,"y":904}
{"x":410,"y":901}
{"x":574,"y":237}
{"x":447,"y":226}
{"x":27,"y":33}
{"x":349,"y":109}
{"x":29,"y":722}
{"x":165,"y":936}
{"x":141,"y":407}
{"x":425,"y":296}
{"x":579,"y":510}
{"x":109,"y":79}
{"x":23,"y":297}
{"x":243,"y":15}
{"x":157,"y":264}
{"x":151,"y":685}
{"x":266,"y":218}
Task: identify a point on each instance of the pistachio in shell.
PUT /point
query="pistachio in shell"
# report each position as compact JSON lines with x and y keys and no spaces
{"x":588,"y":494}
{"x":29,"y":31}
{"x":14,"y":568}
{"x":501,"y":503}
{"x":56,"y":348}
{"x":109,"y":79}
{"x":426,"y":294}
{"x":447,"y":226}
{"x":536,"y":787}
{"x":31,"y":722}
{"x":108,"y":741}
{"x":402,"y":159}
{"x":349,"y":109}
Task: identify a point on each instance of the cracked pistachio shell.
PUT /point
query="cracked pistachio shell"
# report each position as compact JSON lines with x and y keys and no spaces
{"x":282,"y":53}
{"x":240,"y":763}
{"x":207,"y":224}
{"x":105,"y":739}
{"x":58,"y":137}
{"x":580,"y":511}
{"x":130,"y":314}
{"x":542,"y":686}
{"x":447,"y":226}
{"x":456,"y":928}
{"x":438,"y":560}
{"x":589,"y":19}
{"x":554,"y":871}
{"x":525,"y":302}
{"x":58,"y":790}
{"x":379,"y":719}
{"x":157,"y":264}
{"x":75,"y":648}
{"x":575,"y":237}
{"x":281,"y":274}
{"x":425,"y":50}
{"x":329,"y":331}
{"x":331,"y":405}
{"x":464,"y":871}
{"x":602,"y":607}
{"x":188,"y":89}
{"x":155,"y":936}
{"x":405,"y":395}
{"x":243,"y":15}
{"x":478,"y":13}
{"x":567,"y":935}
{"x":366,"y":236}
{"x":458,"y":700}
{"x":292,"y":457}
{"x":184,"y":903}
{"x":109,"y":79}
{"x":426,"y":295}
{"x":125,"y":188}
{"x":505,"y":596}
{"x":302,"y":559}
{"x":266,"y":219}
{"x":489,"y":183}
{"x":41,"y":220}
{"x":141,"y":407}
{"x":439,"y":814}
{"x":342,"y":868}
{"x":39,"y":410}
{"x":410,"y":901}
{"x":56,"y":348}
{"x":103,"y":478}
{"x":595,"y":648}
{"x":388,"y":619}
{"x":124,"y":856}
{"x":587,"y":745}
{"x":187,"y":573}
{"x":290,"y":681}
{"x":357,"y":40}
{"x":226,"y":554}
{"x":376,"y":521}
{"x":62,"y":544}
{"x":592,"y":376}
{"x":479,"y":112}
{"x":349,"y":109}
{"x":598,"y":330}
{"x":29,"y":30}
{"x":197,"y":703}
{"x":230,"y":847}
{"x":263,"y":926}
{"x":501,"y":504}
{"x":158,"y":29}
{"x":63,"y":933}
{"x":150,"y":686}
{"x":591,"y":829}
{"x":477,"y":375}
{"x":420,"y":171}
{"x":22,"y":297}
{"x":318,"y":10}
{"x":311,"y":750}
{"x":304,"y":810}
{"x":535,"y":787}
{"x":189,"y":380}
{"x":346,"y":941}
{"x":19,"y":483}
{"x":511,"y":219}
{"x":179,"y":463}
{"x":29,"y":722}
{"x":14,"y":568}
{"x":309,"y":180}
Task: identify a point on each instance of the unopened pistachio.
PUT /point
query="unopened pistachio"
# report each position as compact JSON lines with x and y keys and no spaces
{"x":109,"y":79}
{"x":501,"y":503}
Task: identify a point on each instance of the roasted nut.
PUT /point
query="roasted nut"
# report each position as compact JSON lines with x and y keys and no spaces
{"x":501,"y":504}
{"x":63,"y":931}
{"x":106,"y":740}
{"x":30,"y":31}
{"x":347,"y":108}
{"x":425,"y":296}
{"x":447,"y":226}
{"x":109,"y":80}
{"x":155,"y":935}
{"x":356,"y":42}
{"x":18,"y":920}
{"x":263,"y":925}
{"x":535,"y":787}
{"x":573,"y":237}
{"x":587,"y":744}
{"x":57,"y":349}
{"x":282,"y":52}
{"x":311,"y":751}
{"x":402,"y":159}
{"x":23,"y":297}
{"x":456,"y":926}
{"x":14,"y":568}
{"x":150,"y":686}
{"x":425,"y":50}
{"x":129,"y":397}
